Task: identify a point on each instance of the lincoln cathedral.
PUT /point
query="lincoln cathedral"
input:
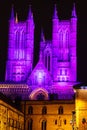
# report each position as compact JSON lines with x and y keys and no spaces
{"x":48,"y":96}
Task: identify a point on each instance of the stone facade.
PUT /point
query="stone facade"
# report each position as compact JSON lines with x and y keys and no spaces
{"x":81,"y":108}
{"x":45,"y":115}
{"x":10,"y":117}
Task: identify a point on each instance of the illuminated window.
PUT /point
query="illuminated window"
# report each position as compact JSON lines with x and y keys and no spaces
{"x":43,"y":125}
{"x":60,"y":71}
{"x":63,"y":79}
{"x":47,"y":60}
{"x":44,"y":110}
{"x":30,"y":110}
{"x":59,"y":79}
{"x":17,"y":39}
{"x":67,"y":79}
{"x":65,"y":72}
{"x":60,"y":110}
{"x":60,"y":39}
{"x":67,"y":39}
{"x":30,"y":123}
{"x":23,"y":40}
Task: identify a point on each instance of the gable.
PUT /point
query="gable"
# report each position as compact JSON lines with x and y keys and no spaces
{"x":40,"y":75}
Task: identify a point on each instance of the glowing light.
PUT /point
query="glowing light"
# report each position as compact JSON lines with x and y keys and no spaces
{"x":60,"y":64}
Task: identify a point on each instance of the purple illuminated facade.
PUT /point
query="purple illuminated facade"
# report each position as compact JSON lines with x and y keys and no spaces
{"x":55,"y":72}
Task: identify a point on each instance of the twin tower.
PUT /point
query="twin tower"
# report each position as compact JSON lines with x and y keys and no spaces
{"x":57,"y":66}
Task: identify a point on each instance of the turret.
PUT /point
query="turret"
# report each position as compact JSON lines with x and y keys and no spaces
{"x":74,"y":18}
{"x":55,"y":16}
{"x":11,"y":34}
{"x":12,"y":14}
{"x":74,"y":12}
{"x":42,"y":41}
{"x":30,"y":39}
{"x":55,"y":26}
{"x":30,"y":20}
{"x":73,"y":43}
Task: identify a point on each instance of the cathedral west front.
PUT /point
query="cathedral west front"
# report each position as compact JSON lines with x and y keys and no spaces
{"x":45,"y":93}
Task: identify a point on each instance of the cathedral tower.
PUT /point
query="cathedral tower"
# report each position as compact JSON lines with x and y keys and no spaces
{"x":20,"y":48}
{"x":64,"y":48}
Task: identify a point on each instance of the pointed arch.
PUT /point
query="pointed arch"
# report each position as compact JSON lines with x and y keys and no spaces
{"x":36,"y":92}
{"x":61,"y":39}
{"x":23,"y":40}
{"x":17,"y":39}
{"x":60,"y":57}
{"x":48,"y":60}
{"x":67,"y":39}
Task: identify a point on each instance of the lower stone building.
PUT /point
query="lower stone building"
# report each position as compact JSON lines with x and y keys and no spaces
{"x":81,"y":106}
{"x":10,"y":117}
{"x":48,"y":115}
{"x":45,"y":115}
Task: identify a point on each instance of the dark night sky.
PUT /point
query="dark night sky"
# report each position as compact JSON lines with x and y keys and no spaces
{"x":42,"y":11}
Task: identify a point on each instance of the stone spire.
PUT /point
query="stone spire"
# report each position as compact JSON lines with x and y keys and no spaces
{"x":30,"y":14}
{"x":74,"y":12}
{"x":42,"y":36}
{"x":55,"y":16}
{"x":12,"y":13}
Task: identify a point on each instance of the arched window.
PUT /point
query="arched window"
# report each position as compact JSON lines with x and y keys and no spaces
{"x":60,"y":57}
{"x":60,"y":39}
{"x":30,"y":110}
{"x":30,"y":123}
{"x":43,"y":125}
{"x":66,"y":54}
{"x":23,"y":40}
{"x":60,"y":110}
{"x":47,"y":60}
{"x":67,"y":39}
{"x":17,"y":39}
{"x":44,"y":110}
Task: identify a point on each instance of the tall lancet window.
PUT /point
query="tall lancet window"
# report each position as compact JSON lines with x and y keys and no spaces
{"x":43,"y":125}
{"x":60,"y":46}
{"x":23,"y":40}
{"x":17,"y":39}
{"x":60,"y":39}
{"x":66,"y":54}
{"x":47,"y":60}
{"x":67,"y":39}
{"x":22,"y":45}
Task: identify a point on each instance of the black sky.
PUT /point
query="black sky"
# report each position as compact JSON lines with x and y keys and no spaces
{"x":43,"y":11}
